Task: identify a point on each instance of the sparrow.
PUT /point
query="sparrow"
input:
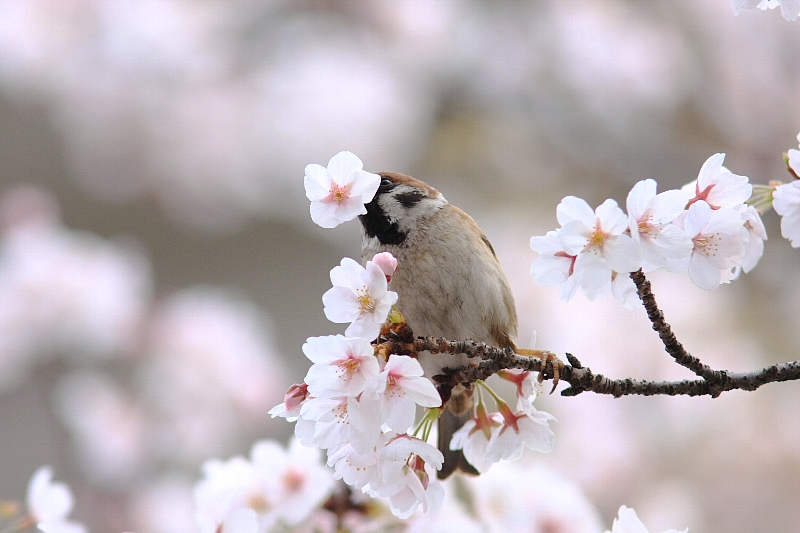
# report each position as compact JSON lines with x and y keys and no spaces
{"x":449,"y":284}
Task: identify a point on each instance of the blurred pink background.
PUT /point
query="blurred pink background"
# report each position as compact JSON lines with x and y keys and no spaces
{"x":159,"y":271}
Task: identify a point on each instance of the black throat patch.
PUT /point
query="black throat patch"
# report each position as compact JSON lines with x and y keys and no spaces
{"x":377,"y":224}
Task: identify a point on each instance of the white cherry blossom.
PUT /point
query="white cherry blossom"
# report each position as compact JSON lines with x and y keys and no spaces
{"x":754,"y":248}
{"x":406,"y":464}
{"x":719,"y":239}
{"x":359,"y":295}
{"x":337,"y":421}
{"x":295,"y":477}
{"x":554,"y":266}
{"x":339,"y":192}
{"x":401,"y":386}
{"x":628,"y":522}
{"x":596,"y":239}
{"x":275,"y":489}
{"x":50,"y":503}
{"x":717,"y":186}
{"x":343,"y":366}
{"x":473,"y":438}
{"x":525,"y":428}
{"x":794,"y":159}
{"x":650,"y":217}
{"x":786,"y":202}
{"x":624,"y":290}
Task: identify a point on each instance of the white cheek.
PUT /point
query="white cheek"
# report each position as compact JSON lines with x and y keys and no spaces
{"x":393,"y":210}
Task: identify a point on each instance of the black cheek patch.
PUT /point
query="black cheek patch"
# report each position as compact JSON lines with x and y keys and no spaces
{"x":409,"y":199}
{"x":377,"y":224}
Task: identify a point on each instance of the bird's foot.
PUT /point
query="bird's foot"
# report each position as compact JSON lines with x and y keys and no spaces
{"x":549,"y":364}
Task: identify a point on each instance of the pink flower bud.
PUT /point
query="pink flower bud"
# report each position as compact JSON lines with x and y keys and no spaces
{"x":296,"y":395}
{"x":387,"y":263}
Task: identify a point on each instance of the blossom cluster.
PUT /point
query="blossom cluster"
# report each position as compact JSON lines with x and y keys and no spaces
{"x":360,"y":404}
{"x":361,"y":408}
{"x":704,"y":229}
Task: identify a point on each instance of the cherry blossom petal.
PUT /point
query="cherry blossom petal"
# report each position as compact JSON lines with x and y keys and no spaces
{"x":343,"y":165}
{"x":704,"y":274}
{"x":611,"y":217}
{"x":574,"y":209}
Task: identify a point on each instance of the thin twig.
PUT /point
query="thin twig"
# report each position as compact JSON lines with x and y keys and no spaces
{"x":671,"y":344}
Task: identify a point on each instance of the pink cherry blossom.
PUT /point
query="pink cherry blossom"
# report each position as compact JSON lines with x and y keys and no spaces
{"x":342,"y":366}
{"x":401,"y":386}
{"x":339,"y":193}
{"x":360,"y":296}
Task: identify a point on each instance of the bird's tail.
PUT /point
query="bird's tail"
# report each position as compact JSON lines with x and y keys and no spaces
{"x":454,"y":460}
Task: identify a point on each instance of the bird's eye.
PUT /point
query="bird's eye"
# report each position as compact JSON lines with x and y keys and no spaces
{"x":386,"y":181}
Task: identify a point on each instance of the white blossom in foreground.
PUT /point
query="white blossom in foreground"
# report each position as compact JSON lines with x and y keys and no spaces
{"x":717,"y":186}
{"x":525,"y":428}
{"x":596,"y":240}
{"x":336,"y":421}
{"x":401,"y":387}
{"x":719,"y":239}
{"x":339,"y":192}
{"x":489,"y":437}
{"x":342,"y":366}
{"x":650,"y":217}
{"x":473,"y":438}
{"x":359,"y":295}
{"x":50,"y":503}
{"x":405,"y":467}
{"x":786,"y":202}
{"x":628,"y":522}
{"x":276,"y":488}
{"x":790,"y":9}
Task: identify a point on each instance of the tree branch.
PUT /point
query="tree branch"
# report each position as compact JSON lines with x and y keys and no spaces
{"x":671,"y":344}
{"x":399,"y":339}
{"x":581,"y":379}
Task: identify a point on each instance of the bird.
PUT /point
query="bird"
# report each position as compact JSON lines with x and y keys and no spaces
{"x":449,"y":284}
